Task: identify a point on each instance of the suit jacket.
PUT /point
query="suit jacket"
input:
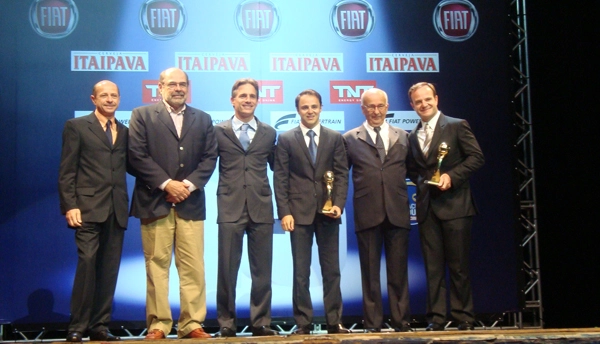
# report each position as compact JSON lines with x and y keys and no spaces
{"x":299,"y":186}
{"x":379,"y":188}
{"x":463,"y":158}
{"x":157,"y":154}
{"x":92,"y":174}
{"x":243,"y":174}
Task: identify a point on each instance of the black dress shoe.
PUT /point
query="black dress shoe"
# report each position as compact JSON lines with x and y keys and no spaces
{"x":104,"y":336}
{"x":339,"y":328}
{"x":466,"y":326}
{"x":404,"y":328}
{"x":435,"y":327}
{"x":264,"y":331}
{"x":225,"y":332}
{"x":74,"y":336}
{"x":372,"y":330}
{"x":302,"y":330}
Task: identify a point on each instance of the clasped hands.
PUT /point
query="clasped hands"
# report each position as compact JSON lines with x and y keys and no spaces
{"x":177,"y":191}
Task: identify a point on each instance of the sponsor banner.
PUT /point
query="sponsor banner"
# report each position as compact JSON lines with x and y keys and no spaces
{"x":352,"y":20}
{"x":53,"y":18}
{"x":412,"y":201}
{"x":257,"y":20}
{"x":163,"y":19}
{"x":406,"y":120}
{"x":219,"y":116}
{"x":306,"y":62}
{"x":455,"y":20}
{"x":150,"y":93}
{"x":286,"y":120}
{"x":121,"y":116}
{"x":403,"y":63}
{"x":109,"y":61}
{"x":212,"y":62}
{"x":348,"y":91}
{"x":270,"y":91}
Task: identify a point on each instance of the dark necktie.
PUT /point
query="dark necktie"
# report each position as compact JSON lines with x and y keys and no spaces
{"x":379,"y":144}
{"x":244,"y":138}
{"x":109,"y":132}
{"x":312,"y":146}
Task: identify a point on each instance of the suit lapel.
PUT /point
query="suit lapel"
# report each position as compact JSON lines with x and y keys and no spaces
{"x":164,"y":116}
{"x":96,"y":128}
{"x":120,"y":134}
{"x":258,"y":134}
{"x":302,"y":144}
{"x":437,"y":138}
{"x":230,"y":134}
{"x":189,"y":117}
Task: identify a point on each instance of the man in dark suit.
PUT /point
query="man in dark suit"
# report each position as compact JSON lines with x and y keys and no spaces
{"x":93,"y":197}
{"x":303,"y":156}
{"x":444,"y":211}
{"x":245,"y":203}
{"x":173,"y":150}
{"x":377,"y":155}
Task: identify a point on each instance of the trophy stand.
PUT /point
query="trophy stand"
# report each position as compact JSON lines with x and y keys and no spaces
{"x":442,"y":151}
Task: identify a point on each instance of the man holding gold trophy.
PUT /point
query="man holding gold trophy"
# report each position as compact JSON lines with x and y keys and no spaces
{"x":311,"y":182}
{"x":443,"y":155}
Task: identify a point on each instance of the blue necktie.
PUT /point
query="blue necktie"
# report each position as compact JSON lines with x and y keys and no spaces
{"x":244,"y":138}
{"x":312,"y":146}
{"x":109,"y":132}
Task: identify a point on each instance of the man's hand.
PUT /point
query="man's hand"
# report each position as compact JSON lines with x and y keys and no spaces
{"x":287,"y":223}
{"x":73,"y":217}
{"x":445,"y":182}
{"x":336,"y":212}
{"x":176,"y":191}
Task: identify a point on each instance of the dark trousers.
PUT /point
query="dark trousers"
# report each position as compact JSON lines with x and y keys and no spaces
{"x":327,"y":235}
{"x":260,"y":256}
{"x":395,"y":241}
{"x":447,"y":243}
{"x":99,"y":248}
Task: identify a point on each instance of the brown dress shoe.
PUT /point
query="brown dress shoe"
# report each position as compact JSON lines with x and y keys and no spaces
{"x":155,"y":334}
{"x":198,"y":333}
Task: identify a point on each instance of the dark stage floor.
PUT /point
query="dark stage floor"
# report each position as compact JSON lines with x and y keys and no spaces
{"x":582,"y":335}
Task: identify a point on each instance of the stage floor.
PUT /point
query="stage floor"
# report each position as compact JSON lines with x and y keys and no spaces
{"x":581,"y":335}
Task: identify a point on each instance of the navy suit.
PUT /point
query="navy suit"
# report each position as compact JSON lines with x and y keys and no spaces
{"x":92,"y":178}
{"x":445,"y":217}
{"x":245,"y":205}
{"x":300,"y":192}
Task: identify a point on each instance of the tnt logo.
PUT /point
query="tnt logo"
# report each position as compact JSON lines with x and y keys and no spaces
{"x":150,"y":94}
{"x":348,"y":91}
{"x":270,"y":91}
{"x":455,"y":20}
{"x":257,"y":19}
{"x":352,"y":20}
{"x":53,"y":18}
{"x":163,"y":19}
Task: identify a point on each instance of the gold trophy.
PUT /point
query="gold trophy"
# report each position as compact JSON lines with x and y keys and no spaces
{"x":442,"y":151}
{"x":328,"y":180}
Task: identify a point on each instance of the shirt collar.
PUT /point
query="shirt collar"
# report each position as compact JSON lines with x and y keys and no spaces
{"x":170,"y":108}
{"x":236,"y":123}
{"x":432,"y":122}
{"x":316,"y":129}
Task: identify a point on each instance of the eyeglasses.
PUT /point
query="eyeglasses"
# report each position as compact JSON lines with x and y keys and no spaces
{"x":173,"y":85}
{"x":372,"y":108}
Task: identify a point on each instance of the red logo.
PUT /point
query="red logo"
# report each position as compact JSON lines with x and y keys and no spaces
{"x":53,"y":18}
{"x":257,"y":19}
{"x":163,"y":19}
{"x":352,"y":20}
{"x":348,"y":91}
{"x":151,"y":95}
{"x":270,"y":91}
{"x":455,"y":20}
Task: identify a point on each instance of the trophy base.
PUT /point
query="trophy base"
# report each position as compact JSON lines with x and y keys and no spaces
{"x":328,"y":211}
{"x":431,"y":182}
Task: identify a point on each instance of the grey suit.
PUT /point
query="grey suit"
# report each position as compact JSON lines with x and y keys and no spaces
{"x":92,"y":178}
{"x":245,"y":205}
{"x":445,"y":217}
{"x":381,"y":217}
{"x":299,"y":192}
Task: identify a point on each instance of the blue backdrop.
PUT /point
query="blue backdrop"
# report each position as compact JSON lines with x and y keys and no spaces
{"x":55,"y":50}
